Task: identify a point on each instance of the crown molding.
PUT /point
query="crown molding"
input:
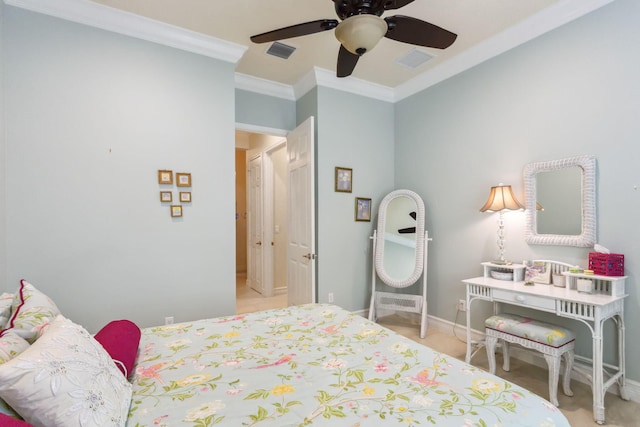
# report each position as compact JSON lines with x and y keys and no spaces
{"x":118,"y":21}
{"x":317,"y":77}
{"x":305,"y":84}
{"x":542,"y":22}
{"x":264,"y":87}
{"x":328,"y":78}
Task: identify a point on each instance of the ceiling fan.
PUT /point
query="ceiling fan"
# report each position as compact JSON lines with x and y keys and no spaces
{"x":362,"y":27}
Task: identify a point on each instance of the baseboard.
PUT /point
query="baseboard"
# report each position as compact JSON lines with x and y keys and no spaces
{"x":531,"y":357}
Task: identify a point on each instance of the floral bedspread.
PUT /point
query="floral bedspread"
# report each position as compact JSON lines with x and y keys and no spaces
{"x":315,"y":365}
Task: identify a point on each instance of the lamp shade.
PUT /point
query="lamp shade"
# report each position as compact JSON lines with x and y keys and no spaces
{"x":360,"y":33}
{"x":501,"y":198}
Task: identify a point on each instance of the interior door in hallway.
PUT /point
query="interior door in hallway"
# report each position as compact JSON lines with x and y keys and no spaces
{"x":255,"y":220}
{"x":301,"y":236}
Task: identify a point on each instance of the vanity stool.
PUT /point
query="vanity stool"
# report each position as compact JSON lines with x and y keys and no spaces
{"x":551,"y":340}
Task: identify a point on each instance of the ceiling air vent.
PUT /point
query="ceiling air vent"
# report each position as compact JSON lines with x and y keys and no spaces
{"x":414,"y":58}
{"x":280,"y":50}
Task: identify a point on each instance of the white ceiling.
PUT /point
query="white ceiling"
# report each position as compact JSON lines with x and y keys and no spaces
{"x":485,"y":28}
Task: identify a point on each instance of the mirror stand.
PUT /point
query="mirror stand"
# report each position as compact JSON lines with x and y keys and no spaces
{"x":399,"y":256}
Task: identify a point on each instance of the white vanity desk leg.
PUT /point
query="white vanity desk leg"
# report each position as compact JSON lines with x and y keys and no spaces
{"x":469,"y":300}
{"x":598,"y":373}
{"x":622,"y":382}
{"x":467,"y":357}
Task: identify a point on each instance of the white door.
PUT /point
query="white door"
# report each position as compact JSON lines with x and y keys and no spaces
{"x":301,"y":238}
{"x":254,"y":250}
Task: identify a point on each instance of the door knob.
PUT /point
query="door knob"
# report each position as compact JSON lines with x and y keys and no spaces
{"x":309,"y":256}
{"x":259,"y":243}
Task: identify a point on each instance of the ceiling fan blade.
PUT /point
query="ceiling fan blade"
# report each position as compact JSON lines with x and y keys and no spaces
{"x":296,"y":30}
{"x":346,"y":62}
{"x":415,"y":31}
{"x":396,"y":4}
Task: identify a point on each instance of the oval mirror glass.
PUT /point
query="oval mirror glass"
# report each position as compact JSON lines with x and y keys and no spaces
{"x":400,"y":239}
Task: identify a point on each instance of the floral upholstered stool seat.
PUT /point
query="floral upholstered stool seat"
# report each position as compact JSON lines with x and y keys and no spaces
{"x":555,"y":342}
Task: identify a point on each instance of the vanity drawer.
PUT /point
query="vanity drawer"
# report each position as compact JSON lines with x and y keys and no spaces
{"x":527,"y":300}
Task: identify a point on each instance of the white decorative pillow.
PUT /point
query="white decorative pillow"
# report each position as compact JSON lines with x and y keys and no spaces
{"x":31,"y":311}
{"x":5,"y":309}
{"x":66,"y":379}
{"x":11,"y":345}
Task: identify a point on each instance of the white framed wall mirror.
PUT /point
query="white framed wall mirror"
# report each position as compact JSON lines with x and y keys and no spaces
{"x":560,"y":202}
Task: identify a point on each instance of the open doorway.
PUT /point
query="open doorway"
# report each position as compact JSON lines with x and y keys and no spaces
{"x":261,"y":222}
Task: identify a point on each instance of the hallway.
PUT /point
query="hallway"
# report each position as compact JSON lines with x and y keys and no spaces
{"x":248,"y":300}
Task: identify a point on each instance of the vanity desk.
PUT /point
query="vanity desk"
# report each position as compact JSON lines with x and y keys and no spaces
{"x":606,"y":302}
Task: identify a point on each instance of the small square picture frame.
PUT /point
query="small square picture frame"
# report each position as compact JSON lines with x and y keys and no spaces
{"x":165,"y":177}
{"x":343,"y":180}
{"x":166,"y":196}
{"x":183,"y":179}
{"x":363,"y":209}
{"x":537,"y":272}
{"x":176,"y":211}
{"x":185,"y":196}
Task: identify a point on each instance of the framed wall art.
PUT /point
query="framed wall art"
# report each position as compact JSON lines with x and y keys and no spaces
{"x":183,"y":179}
{"x":343,"y":180}
{"x":185,"y":196}
{"x":176,"y":210}
{"x":363,"y":209}
{"x":537,"y":272}
{"x":165,"y":177}
{"x":166,"y":196}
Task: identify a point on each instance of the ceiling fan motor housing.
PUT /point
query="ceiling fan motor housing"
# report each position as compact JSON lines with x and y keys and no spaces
{"x":347,"y":8}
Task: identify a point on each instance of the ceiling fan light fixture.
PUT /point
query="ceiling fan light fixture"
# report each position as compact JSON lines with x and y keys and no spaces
{"x":361,"y":33}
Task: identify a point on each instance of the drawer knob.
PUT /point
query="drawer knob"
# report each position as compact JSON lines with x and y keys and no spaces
{"x":520,"y":298}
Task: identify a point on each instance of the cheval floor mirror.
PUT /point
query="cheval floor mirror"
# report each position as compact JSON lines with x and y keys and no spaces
{"x":399,"y":256}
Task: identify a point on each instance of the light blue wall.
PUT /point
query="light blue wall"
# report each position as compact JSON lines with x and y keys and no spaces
{"x":571,"y":92}
{"x":265,"y":111}
{"x":354,"y":132}
{"x":90,"y":118}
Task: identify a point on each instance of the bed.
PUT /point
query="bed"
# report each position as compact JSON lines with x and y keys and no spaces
{"x":309,"y":365}
{"x":315,"y":365}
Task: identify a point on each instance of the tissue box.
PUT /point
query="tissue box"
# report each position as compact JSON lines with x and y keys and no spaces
{"x":606,"y":264}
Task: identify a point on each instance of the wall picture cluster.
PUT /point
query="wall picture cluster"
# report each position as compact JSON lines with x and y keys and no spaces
{"x":183,"y":180}
{"x":343,"y":183}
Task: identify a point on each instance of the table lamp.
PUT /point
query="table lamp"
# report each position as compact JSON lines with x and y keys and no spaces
{"x":501,"y":198}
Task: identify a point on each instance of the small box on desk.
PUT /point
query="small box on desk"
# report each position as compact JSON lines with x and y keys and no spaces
{"x":606,"y":264}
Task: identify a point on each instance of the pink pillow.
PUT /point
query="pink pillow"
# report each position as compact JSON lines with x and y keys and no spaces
{"x":121,"y":338}
{"x":7,"y":421}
